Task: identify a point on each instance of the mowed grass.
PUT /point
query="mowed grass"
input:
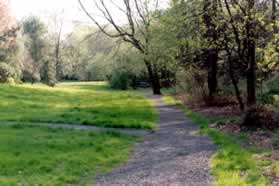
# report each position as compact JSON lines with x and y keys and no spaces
{"x":57,"y":157}
{"x":90,"y":103}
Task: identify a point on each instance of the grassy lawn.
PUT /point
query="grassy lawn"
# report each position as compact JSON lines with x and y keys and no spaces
{"x":232,"y":165}
{"x":89,"y":103}
{"x":47,"y":156}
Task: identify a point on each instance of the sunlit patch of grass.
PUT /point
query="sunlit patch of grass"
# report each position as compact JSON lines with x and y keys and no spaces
{"x":232,"y":165}
{"x":48,"y":156}
{"x":87,"y":103}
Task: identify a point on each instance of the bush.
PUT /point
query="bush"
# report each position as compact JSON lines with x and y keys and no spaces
{"x":51,"y":74}
{"x":7,"y":73}
{"x":273,"y":82}
{"x":120,"y":80}
{"x":28,"y":76}
{"x":266,"y":98}
{"x":271,"y":89}
{"x":259,"y":117}
{"x":192,"y":81}
{"x":126,"y":71}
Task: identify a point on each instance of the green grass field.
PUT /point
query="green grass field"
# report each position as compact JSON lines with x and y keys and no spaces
{"x":37,"y":155}
{"x":57,"y":157}
{"x":76,"y":103}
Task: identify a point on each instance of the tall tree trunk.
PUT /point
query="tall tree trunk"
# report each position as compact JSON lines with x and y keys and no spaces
{"x":251,"y":57}
{"x":57,"y":56}
{"x":57,"y":64}
{"x":212,"y":59}
{"x":210,"y":9}
{"x":154,"y":78}
{"x":251,"y":74}
{"x":273,"y":17}
{"x":235,"y":83}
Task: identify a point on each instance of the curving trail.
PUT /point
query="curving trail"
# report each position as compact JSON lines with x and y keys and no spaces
{"x":175,"y":155}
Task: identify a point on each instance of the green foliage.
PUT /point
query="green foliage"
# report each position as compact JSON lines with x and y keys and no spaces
{"x":120,"y":79}
{"x":7,"y":73}
{"x":76,"y":103}
{"x":273,"y":83}
{"x":192,"y":80}
{"x":51,"y":74}
{"x":232,"y":164}
{"x":98,"y":68}
{"x":270,"y":91}
{"x":88,"y":54}
{"x":126,"y":70}
{"x":35,"y":42}
{"x":269,"y":56}
{"x":266,"y":98}
{"x":164,"y":44}
{"x":48,"y":156}
{"x":33,"y":26}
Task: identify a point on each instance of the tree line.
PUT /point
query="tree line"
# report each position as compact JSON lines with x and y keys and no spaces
{"x":205,"y":47}
{"x":236,"y":40}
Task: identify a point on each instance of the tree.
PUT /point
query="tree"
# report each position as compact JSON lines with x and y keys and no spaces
{"x":211,"y":52}
{"x":34,"y":29}
{"x":164,"y":45}
{"x":245,"y":32}
{"x":251,"y":53}
{"x":8,"y":31}
{"x":85,"y":50}
{"x":136,"y":32}
{"x":10,"y":46}
{"x":51,"y":73}
{"x":55,"y":35}
{"x":5,"y":16}
{"x":239,"y":37}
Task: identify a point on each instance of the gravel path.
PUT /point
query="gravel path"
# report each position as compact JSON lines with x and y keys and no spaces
{"x":174,"y":155}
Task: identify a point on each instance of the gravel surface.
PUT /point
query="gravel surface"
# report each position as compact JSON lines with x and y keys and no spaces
{"x":174,"y":155}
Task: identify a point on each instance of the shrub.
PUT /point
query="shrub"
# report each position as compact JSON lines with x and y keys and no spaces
{"x":271,"y":89}
{"x":125,"y":72}
{"x":266,"y":98}
{"x":259,"y":117}
{"x":50,"y":74}
{"x":120,"y":80}
{"x":7,"y":73}
{"x":273,"y":82}
{"x":28,"y":76}
{"x":192,"y":80}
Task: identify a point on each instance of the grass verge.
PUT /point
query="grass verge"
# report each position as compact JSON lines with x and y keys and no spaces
{"x":232,"y":165}
{"x":48,"y":156}
{"x":87,"y":103}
